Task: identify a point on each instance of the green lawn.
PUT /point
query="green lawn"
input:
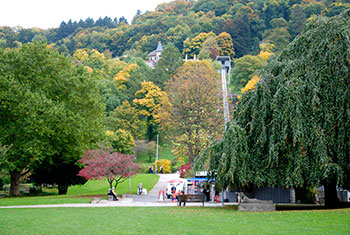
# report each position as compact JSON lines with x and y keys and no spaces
{"x":94,"y":187}
{"x":83,"y":193}
{"x":165,"y":152}
{"x":170,"y":220}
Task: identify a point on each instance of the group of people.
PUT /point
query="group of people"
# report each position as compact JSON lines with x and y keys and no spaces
{"x":150,"y":170}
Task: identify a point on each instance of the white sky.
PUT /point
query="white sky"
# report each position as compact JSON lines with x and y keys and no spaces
{"x":50,"y":13}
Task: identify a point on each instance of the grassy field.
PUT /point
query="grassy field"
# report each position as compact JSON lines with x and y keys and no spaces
{"x":83,"y":193}
{"x":170,"y":220}
{"x":164,"y":153}
{"x":102,"y":186}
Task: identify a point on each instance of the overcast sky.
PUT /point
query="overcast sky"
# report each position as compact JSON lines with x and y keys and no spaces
{"x":50,"y":13}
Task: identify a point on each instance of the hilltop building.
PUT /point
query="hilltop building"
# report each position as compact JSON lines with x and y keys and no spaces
{"x":154,"y":56}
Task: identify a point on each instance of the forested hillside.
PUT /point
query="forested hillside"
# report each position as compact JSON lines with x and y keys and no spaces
{"x":249,"y":22}
{"x":249,"y":31}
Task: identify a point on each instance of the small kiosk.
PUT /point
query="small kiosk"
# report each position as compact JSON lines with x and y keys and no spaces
{"x":198,"y":186}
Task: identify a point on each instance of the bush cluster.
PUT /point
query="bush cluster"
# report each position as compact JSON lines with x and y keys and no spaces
{"x":165,"y":163}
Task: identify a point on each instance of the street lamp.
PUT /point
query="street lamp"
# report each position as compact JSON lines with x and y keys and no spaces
{"x":156,"y":154}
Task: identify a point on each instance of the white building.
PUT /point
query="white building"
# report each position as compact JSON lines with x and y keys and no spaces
{"x":154,"y":56}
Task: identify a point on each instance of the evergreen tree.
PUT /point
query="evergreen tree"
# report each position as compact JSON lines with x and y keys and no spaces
{"x":166,"y":67}
{"x":123,"y":20}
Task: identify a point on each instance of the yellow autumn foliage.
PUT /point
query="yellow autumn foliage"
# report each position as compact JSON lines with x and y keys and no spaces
{"x":265,"y":54}
{"x":89,"y":69}
{"x":250,"y":85}
{"x":110,"y":133}
{"x":122,"y":77}
{"x":149,"y":100}
{"x":165,"y":163}
{"x":81,"y":55}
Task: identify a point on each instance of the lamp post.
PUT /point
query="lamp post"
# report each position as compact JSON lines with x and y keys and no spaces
{"x":156,"y":154}
{"x":130,"y":176}
{"x":129,"y":183}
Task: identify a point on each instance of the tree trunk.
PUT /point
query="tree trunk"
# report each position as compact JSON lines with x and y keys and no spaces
{"x":190,"y":152}
{"x":62,"y":189}
{"x":15,"y":177}
{"x":330,"y":195}
{"x":110,"y":181}
{"x":149,"y":129}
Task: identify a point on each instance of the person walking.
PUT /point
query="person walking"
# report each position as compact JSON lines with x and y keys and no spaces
{"x":140,"y":188}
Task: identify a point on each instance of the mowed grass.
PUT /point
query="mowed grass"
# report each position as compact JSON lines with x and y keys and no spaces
{"x":100,"y":187}
{"x":83,"y":193}
{"x":171,"y":220}
{"x":165,"y":152}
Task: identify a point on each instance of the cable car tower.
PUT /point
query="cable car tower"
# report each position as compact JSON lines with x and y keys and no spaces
{"x":225,"y":62}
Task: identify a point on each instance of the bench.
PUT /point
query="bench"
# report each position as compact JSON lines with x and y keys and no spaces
{"x":190,"y":198}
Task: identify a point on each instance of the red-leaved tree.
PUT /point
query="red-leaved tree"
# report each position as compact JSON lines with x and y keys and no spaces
{"x":185,"y":170}
{"x":102,"y":163}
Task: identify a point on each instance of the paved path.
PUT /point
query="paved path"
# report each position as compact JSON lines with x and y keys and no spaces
{"x":149,"y":200}
{"x":120,"y":204}
{"x":152,"y":196}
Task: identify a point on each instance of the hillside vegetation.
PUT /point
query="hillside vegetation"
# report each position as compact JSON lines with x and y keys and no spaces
{"x":247,"y":21}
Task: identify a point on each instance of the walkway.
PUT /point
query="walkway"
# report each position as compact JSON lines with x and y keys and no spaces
{"x":152,"y":196}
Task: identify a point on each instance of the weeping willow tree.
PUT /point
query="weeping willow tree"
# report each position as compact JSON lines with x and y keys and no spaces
{"x":294,"y":128}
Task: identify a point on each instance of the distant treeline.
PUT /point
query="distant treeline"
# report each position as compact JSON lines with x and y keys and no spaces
{"x":249,"y":22}
{"x":68,"y":28}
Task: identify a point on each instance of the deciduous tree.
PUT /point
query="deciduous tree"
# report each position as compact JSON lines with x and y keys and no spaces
{"x":148,"y":101}
{"x":225,"y":44}
{"x":244,"y":69}
{"x":209,"y":50}
{"x":49,"y":108}
{"x":195,"y":94}
{"x":121,"y":141}
{"x":278,"y":34}
{"x":240,"y":33}
{"x":192,"y":47}
{"x":170,"y":60}
{"x":126,"y":117}
{"x":56,"y":172}
{"x":102,"y":163}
